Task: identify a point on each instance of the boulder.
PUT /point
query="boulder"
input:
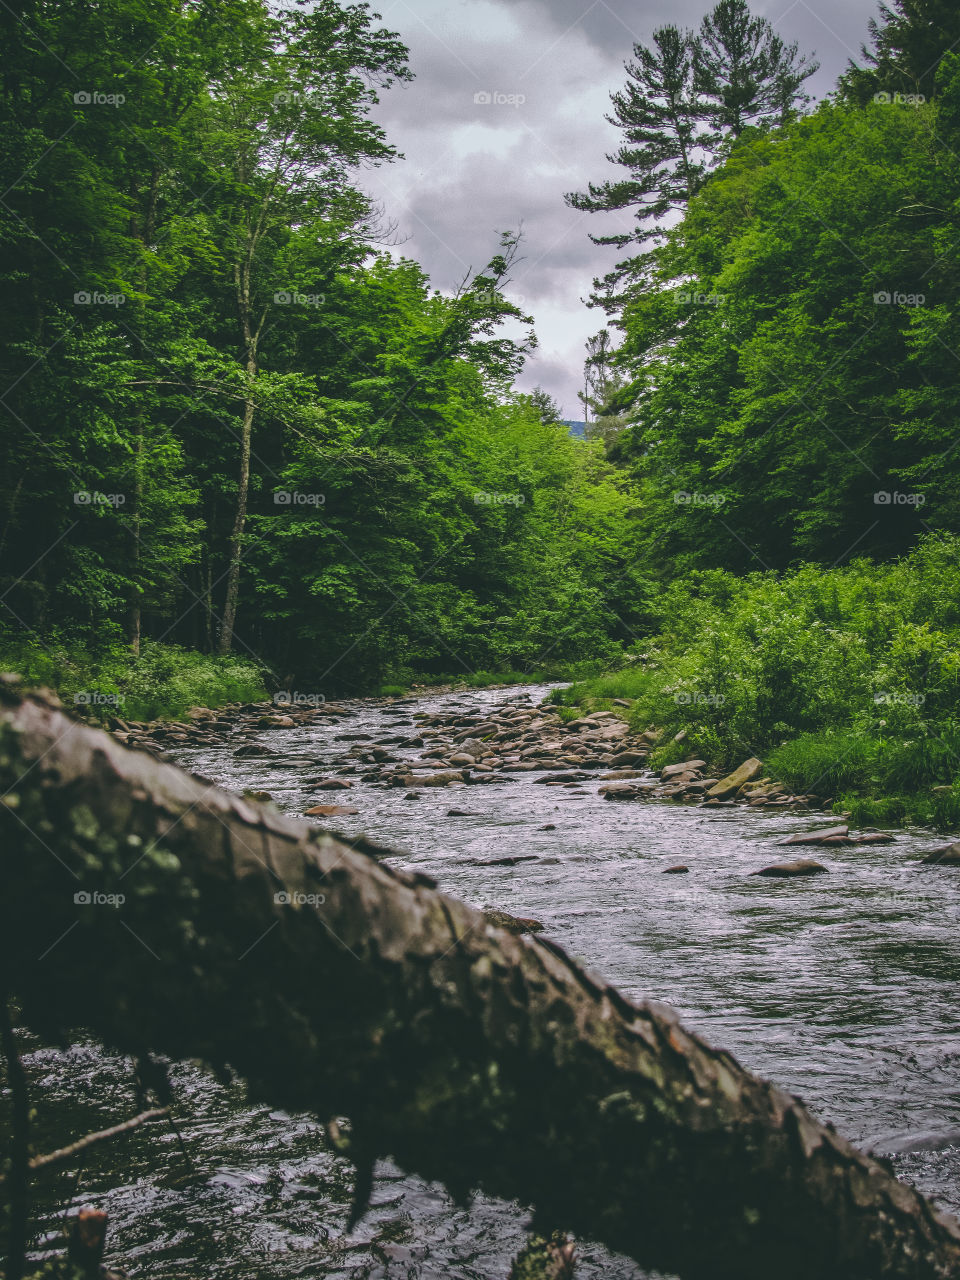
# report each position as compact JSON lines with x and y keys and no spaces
{"x":785,"y":870}
{"x":679,"y":870}
{"x":333,"y":784}
{"x":619,"y":791}
{"x":328,"y":811}
{"x":732,"y":783}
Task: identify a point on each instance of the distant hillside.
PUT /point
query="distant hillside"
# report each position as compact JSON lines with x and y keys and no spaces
{"x":576,"y":428}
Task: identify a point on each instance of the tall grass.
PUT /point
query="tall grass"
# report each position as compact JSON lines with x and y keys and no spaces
{"x":165,"y":681}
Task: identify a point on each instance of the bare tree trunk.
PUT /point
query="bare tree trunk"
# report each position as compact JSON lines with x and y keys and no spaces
{"x":231,"y":599}
{"x":335,"y":983}
{"x":242,"y":274}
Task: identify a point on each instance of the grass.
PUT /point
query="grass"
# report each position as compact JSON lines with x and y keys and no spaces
{"x":164,"y":682}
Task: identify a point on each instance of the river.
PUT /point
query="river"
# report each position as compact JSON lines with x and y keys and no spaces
{"x":842,"y":988}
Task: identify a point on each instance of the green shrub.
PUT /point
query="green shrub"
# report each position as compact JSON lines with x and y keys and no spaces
{"x":163,"y":681}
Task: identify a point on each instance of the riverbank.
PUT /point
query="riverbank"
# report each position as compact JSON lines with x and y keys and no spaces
{"x":166,"y":682}
{"x":845,"y":682}
{"x":162,"y":682}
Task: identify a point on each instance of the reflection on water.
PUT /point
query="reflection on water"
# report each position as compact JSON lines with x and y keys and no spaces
{"x":841,"y":988}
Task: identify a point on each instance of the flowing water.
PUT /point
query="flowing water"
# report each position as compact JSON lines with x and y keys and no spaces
{"x":842,"y":988}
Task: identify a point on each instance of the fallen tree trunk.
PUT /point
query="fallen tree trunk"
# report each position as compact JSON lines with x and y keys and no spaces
{"x":167,"y":915}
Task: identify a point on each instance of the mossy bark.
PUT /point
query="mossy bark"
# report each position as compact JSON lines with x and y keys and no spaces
{"x":335,"y":983}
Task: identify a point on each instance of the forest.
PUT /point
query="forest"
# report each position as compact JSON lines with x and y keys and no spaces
{"x":262,"y":479}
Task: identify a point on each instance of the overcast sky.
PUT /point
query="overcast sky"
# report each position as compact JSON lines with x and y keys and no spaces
{"x":473,"y":168}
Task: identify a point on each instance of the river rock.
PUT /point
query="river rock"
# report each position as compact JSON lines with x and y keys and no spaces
{"x":732,"y":783}
{"x":680,"y":870}
{"x":251,"y":750}
{"x":784,"y":870}
{"x":817,"y":837}
{"x":333,"y":784}
{"x":329,"y":811}
{"x":948,"y":856}
{"x":689,"y":766}
{"x":515,"y":924}
{"x":619,"y":791}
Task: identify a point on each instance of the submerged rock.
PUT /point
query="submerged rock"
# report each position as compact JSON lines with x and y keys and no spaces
{"x":784,"y":870}
{"x":949,"y":856}
{"x":817,"y":837}
{"x":515,"y":924}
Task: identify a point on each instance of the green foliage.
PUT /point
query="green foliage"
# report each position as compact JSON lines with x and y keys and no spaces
{"x":275,"y":437}
{"x":164,"y":681}
{"x":844,"y":681}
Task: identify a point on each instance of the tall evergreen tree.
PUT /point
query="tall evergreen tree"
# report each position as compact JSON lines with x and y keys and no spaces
{"x":665,"y":151}
{"x":744,"y":73}
{"x":684,"y":97}
{"x":906,"y":48}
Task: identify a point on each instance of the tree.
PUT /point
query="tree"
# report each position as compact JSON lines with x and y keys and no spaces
{"x":686,"y":98}
{"x":468,"y":1054}
{"x":281,"y":138}
{"x":745,"y":73}
{"x":665,"y":150}
{"x":603,"y":384}
{"x":906,"y":48}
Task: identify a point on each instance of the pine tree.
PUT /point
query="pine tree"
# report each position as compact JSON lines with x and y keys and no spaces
{"x":746,"y":75}
{"x":664,"y":150}
{"x":905,"y":50}
{"x":684,"y":98}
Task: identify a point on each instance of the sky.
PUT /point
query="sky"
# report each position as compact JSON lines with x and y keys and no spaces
{"x":506,"y":114}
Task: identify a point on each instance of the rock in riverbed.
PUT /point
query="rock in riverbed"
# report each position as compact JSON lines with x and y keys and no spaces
{"x":515,"y":924}
{"x":949,"y":856}
{"x":785,"y":870}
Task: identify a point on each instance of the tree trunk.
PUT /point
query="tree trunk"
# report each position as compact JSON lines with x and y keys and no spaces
{"x":250,"y":338}
{"x":232,"y":594}
{"x":335,"y":983}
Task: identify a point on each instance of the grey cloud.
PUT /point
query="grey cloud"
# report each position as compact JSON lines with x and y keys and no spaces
{"x":473,"y":169}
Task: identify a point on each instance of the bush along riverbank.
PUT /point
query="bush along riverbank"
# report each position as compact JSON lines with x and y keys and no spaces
{"x":844,"y":682}
{"x":162,"y":682}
